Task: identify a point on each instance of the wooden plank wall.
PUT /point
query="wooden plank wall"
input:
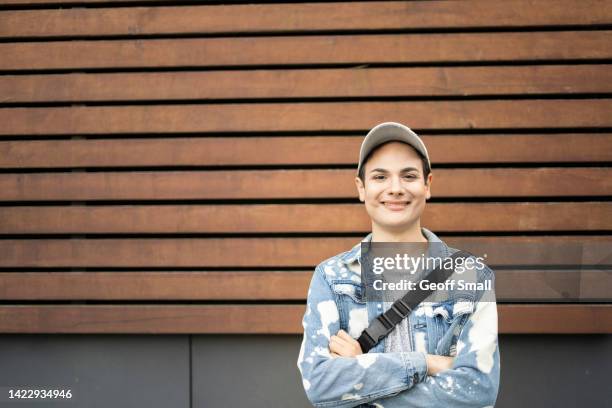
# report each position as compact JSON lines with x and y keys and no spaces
{"x":181,"y":167}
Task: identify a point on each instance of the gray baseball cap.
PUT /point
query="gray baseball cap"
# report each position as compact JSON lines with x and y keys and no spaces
{"x":387,"y":132}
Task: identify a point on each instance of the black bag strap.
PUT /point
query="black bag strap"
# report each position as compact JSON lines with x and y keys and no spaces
{"x":380,"y":327}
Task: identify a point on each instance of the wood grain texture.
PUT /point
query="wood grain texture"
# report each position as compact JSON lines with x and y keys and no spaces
{"x":152,"y":319}
{"x":305,"y":252}
{"x":253,"y":18}
{"x":192,"y":100}
{"x":297,"y":150}
{"x":521,"y":285}
{"x":295,"y":184}
{"x":559,"y":319}
{"x":298,"y":218}
{"x":307,"y":117}
{"x":263,"y":319}
{"x":298,"y":50}
{"x":70,"y":2}
{"x":307,"y":83}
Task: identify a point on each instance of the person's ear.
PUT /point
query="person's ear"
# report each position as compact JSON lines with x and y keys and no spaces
{"x":429,"y":179}
{"x":360,"y":189}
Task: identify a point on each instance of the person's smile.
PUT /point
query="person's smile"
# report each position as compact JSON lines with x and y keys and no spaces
{"x":393,"y":205}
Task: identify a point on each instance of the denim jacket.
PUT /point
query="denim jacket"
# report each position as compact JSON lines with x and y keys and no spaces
{"x":460,"y":325}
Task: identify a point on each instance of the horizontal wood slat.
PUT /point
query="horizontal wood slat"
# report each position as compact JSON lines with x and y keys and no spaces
{"x":296,"y":184}
{"x":279,"y":252}
{"x":547,"y":285}
{"x":190,"y":252}
{"x":292,"y":50}
{"x":553,"y":285}
{"x":560,"y":319}
{"x":294,"y":218}
{"x":303,"y":83}
{"x":289,"y":150}
{"x":268,"y":319}
{"x":71,"y":2}
{"x":176,"y":285}
{"x":255,"y":18}
{"x":323,"y":116}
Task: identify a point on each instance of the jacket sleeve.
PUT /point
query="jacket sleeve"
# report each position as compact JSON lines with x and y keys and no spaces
{"x":347,"y":381}
{"x":473,"y":380}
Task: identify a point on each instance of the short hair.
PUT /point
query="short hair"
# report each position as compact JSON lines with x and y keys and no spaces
{"x":424,"y":162}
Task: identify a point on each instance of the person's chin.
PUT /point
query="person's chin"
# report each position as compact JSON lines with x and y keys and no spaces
{"x":396,"y":223}
{"x":392,"y":219}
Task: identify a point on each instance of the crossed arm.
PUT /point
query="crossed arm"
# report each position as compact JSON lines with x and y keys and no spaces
{"x":336,"y":373}
{"x":343,"y":345}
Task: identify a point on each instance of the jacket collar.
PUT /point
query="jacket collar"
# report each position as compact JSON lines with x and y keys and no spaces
{"x":355,"y":253}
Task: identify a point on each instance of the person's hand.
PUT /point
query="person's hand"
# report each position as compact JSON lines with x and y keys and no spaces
{"x":437,"y":364}
{"x":343,"y":345}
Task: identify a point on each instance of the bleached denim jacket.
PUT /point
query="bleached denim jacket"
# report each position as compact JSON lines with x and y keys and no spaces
{"x":461,"y":326}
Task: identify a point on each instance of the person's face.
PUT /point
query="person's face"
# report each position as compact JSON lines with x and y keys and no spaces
{"x":395,"y":191}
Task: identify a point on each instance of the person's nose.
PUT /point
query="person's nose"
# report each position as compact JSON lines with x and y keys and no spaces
{"x":396,"y":186}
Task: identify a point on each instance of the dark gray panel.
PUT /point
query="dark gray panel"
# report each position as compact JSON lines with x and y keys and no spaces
{"x":555,"y":371}
{"x":102,"y":370}
{"x":247,"y":371}
{"x":260,"y":371}
{"x":537,"y":371}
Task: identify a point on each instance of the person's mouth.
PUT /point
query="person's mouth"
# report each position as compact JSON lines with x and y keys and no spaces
{"x":395,"y":205}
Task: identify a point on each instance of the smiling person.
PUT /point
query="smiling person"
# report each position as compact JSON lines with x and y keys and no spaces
{"x":444,"y":354}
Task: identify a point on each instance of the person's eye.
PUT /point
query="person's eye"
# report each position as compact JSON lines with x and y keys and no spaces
{"x":410,"y":176}
{"x":378,"y":177}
